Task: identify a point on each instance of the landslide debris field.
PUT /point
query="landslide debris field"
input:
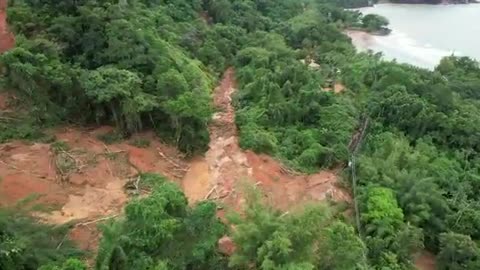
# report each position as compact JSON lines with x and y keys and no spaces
{"x":80,"y":179}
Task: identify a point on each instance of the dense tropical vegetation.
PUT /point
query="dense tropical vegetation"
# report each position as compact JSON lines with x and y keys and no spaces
{"x":152,"y":64}
{"x":27,"y":244}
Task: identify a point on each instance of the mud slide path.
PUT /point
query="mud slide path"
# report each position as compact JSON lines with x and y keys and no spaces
{"x":227,"y":162}
{"x":216,"y":176}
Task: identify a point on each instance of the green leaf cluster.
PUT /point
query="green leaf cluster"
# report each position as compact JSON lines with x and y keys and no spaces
{"x":161,"y":230}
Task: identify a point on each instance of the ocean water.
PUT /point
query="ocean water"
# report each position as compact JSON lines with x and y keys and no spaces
{"x":423,"y":34}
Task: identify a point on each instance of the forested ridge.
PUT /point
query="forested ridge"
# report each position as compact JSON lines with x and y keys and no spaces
{"x":151,"y":65}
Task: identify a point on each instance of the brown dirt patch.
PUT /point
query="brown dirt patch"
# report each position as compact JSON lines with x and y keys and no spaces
{"x":226,"y":162}
{"x":26,"y":170}
{"x":360,"y":39}
{"x":17,"y":186}
{"x":286,"y":189}
{"x":338,"y":88}
{"x":425,"y":261}
{"x":94,"y":188}
{"x":226,"y":246}
{"x":7,"y":40}
{"x":93,"y":202}
{"x":196,"y":183}
{"x":87,"y":237}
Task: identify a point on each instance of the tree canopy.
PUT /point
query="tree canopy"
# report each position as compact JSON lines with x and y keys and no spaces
{"x":139,"y":65}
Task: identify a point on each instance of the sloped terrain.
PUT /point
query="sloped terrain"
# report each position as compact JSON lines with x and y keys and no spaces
{"x":83,"y":182}
{"x":228,"y":166}
{"x":7,"y":39}
{"x":81,"y":179}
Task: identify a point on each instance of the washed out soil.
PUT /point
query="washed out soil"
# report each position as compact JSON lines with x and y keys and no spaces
{"x":221,"y":173}
{"x":94,"y":186}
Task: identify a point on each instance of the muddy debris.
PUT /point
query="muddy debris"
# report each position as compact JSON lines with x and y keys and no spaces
{"x":228,"y":165}
{"x":226,"y":246}
{"x":84,"y":179}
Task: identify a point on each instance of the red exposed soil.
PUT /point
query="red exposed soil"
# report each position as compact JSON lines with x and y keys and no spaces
{"x":17,"y":186}
{"x":87,"y":237}
{"x":285,"y":189}
{"x":26,"y":170}
{"x":7,"y":40}
{"x":93,"y":189}
{"x":228,"y":164}
{"x":196,"y":183}
{"x":425,"y":261}
{"x":226,"y":246}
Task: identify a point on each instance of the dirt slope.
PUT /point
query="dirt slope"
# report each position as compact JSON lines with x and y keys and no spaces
{"x":285,"y":189}
{"x":7,"y":40}
{"x":225,"y":161}
{"x":84,"y":183}
{"x":228,"y":165}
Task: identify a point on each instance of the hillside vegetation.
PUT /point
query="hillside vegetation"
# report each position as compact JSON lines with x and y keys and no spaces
{"x":139,"y":65}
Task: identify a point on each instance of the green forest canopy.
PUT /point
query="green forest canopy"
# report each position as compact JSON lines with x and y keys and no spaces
{"x":152,"y":64}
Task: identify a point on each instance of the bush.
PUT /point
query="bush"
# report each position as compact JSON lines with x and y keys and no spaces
{"x":27,"y":244}
{"x":252,"y":137}
{"x":314,"y":157}
{"x":111,"y":137}
{"x":70,"y":264}
{"x":60,"y":146}
{"x":140,"y":143}
{"x":22,"y":129}
{"x":151,"y":180}
{"x":162,"y":228}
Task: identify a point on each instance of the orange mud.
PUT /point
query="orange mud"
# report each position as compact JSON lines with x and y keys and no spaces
{"x":228,"y":165}
{"x":196,"y":183}
{"x":227,"y":162}
{"x":285,"y":189}
{"x":7,"y":40}
{"x":26,"y":170}
{"x":425,"y":261}
{"x":93,"y":189}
